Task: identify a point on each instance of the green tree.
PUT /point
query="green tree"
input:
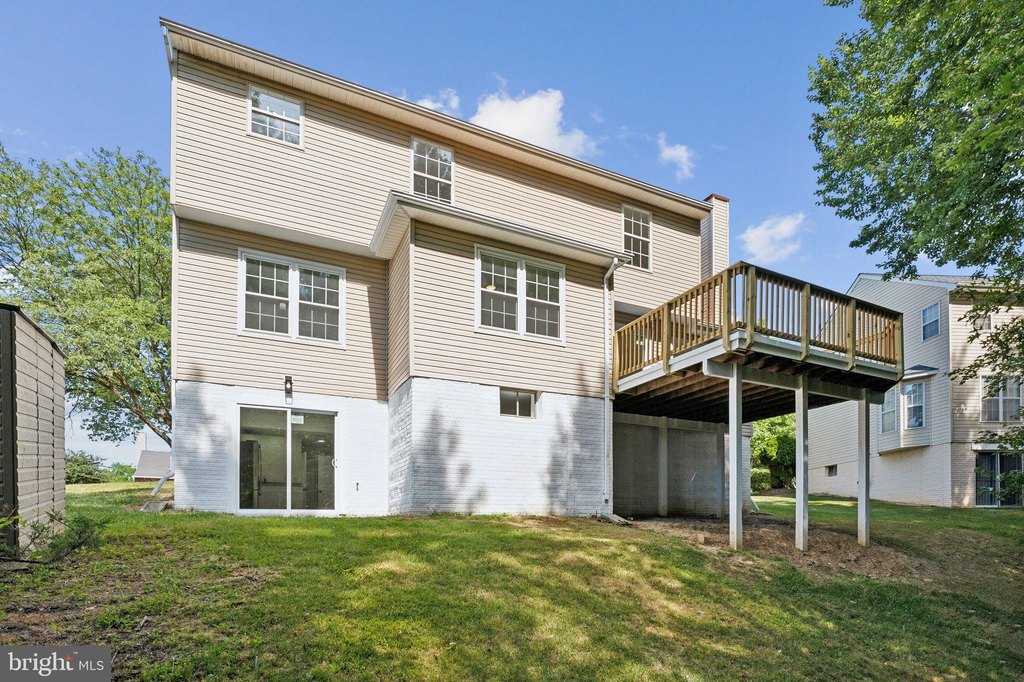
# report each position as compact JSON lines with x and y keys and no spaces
{"x":81,"y":467}
{"x":921,"y":141}
{"x":773,"y":447}
{"x":86,"y":250}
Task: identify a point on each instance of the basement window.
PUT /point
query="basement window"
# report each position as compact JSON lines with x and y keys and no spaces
{"x":832,"y":470}
{"x":516,"y":403}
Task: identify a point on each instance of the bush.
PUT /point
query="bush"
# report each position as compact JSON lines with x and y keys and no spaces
{"x":51,"y":538}
{"x":760,"y":479}
{"x":81,"y":467}
{"x":121,"y":472}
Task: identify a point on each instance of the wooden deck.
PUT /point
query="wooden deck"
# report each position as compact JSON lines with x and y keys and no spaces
{"x":671,"y":361}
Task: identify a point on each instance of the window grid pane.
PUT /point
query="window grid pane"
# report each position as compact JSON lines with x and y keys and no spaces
{"x":915,"y":406}
{"x":889,"y":411}
{"x":930,"y":322}
{"x":275,"y":116}
{"x":636,"y":236}
{"x":432,"y":171}
{"x":318,"y":322}
{"x":266,"y":314}
{"x":499,"y":274}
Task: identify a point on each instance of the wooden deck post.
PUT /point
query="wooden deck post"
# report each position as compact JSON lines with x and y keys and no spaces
{"x":726,"y":312}
{"x":666,"y":338}
{"x":750,"y":305}
{"x":864,"y":469}
{"x":851,"y":334}
{"x":805,"y":321}
{"x":801,"y":462}
{"x":735,"y":458}
{"x":899,"y":346}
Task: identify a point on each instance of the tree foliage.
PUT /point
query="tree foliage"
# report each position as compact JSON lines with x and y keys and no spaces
{"x":81,"y":467}
{"x":85,"y":248}
{"x":920,"y":134}
{"x":773,"y":447}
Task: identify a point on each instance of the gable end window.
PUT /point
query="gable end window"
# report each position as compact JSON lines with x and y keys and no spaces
{"x":1001,"y":403}
{"x":889,"y":411}
{"x":913,"y":396}
{"x":275,"y":116}
{"x":432,"y":171}
{"x":291,"y":299}
{"x":930,"y":322}
{"x":515,"y":403}
{"x":520,"y":295}
{"x":636,"y":236}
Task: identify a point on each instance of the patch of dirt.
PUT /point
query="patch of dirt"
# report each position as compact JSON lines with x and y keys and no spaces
{"x":829,"y":553}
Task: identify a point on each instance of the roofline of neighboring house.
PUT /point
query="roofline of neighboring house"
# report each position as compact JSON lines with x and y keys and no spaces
{"x":17,"y":309}
{"x":878,"y":276}
{"x":402,"y":207}
{"x":417,"y":116}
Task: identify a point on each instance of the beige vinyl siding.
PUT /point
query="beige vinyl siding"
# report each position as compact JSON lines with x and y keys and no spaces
{"x":447,"y":345}
{"x":675,"y":265}
{"x":210,"y":347}
{"x":967,"y":425}
{"x":336,"y":185}
{"x":399,"y":348}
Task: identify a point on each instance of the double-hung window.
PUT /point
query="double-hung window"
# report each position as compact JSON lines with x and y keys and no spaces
{"x":291,"y":298}
{"x":889,"y":413}
{"x":913,"y":396}
{"x":1001,"y":403}
{"x":275,"y":116}
{"x":520,"y":295}
{"x":930,"y":322}
{"x":432,"y":168}
{"x":636,"y":236}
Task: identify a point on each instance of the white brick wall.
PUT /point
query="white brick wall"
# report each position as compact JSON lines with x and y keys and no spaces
{"x":466,"y":457}
{"x":205,"y":452}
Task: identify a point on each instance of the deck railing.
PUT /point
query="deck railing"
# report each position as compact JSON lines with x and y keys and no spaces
{"x":770,"y":304}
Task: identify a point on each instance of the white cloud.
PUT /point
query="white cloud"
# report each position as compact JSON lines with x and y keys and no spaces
{"x":446,"y":101}
{"x":535,"y":118}
{"x":775,"y":239}
{"x":678,"y":155}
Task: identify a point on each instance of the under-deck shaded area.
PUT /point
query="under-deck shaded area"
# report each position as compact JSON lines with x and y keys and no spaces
{"x":748,"y":344}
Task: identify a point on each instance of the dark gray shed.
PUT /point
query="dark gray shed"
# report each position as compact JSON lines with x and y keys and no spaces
{"x":31,"y":421}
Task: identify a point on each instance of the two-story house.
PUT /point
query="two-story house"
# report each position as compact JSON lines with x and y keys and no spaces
{"x":379,"y":308}
{"x":925,"y":445}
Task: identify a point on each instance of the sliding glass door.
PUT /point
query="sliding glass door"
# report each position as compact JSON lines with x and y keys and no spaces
{"x":990,"y":468}
{"x":286,"y":460}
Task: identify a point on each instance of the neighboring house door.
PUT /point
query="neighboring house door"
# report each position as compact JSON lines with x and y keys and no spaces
{"x":286,"y":460}
{"x":990,"y":466}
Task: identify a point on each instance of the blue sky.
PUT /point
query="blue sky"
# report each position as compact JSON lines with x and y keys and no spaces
{"x":696,"y":97}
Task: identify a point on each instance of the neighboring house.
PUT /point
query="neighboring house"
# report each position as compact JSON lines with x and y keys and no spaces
{"x":925,"y":436}
{"x":150,"y":465}
{"x":381,"y":309}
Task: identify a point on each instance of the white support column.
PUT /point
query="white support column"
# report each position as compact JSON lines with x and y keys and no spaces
{"x":663,"y":467}
{"x":735,"y":458}
{"x":864,"y":470}
{"x":801,"y":464}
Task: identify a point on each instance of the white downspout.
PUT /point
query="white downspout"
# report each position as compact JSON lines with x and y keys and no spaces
{"x":609,"y":330}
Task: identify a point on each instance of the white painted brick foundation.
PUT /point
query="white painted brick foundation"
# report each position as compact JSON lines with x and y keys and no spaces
{"x":461,"y":455}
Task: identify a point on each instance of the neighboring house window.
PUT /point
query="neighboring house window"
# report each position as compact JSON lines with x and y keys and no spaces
{"x":520,"y":295}
{"x":914,"y":405}
{"x":275,"y":116}
{"x":930,"y":322}
{"x":636,"y":236}
{"x":432,"y":171}
{"x":516,"y":403}
{"x":832,"y":470}
{"x":292,"y":299}
{"x":983,"y":323}
{"x":1002,"y":405}
{"x":889,"y":411}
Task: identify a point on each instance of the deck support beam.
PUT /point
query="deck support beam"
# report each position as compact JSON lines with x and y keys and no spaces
{"x":864,"y":470}
{"x":801,"y":394}
{"x":735,"y":458}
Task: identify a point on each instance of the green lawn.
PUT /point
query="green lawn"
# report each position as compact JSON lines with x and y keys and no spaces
{"x":186,"y":595}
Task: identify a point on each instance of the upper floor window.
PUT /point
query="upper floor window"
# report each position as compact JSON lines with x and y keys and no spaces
{"x":930,"y":322}
{"x":913,"y":395}
{"x":983,"y":323}
{"x":432,"y":171}
{"x":1000,"y":403}
{"x":889,"y":411}
{"x":292,"y":299}
{"x":274,"y":115}
{"x":636,"y":236}
{"x":520,"y":295}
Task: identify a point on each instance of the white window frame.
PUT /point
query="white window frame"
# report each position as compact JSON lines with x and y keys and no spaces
{"x":275,"y":93}
{"x":984,"y":323}
{"x":895,"y":391}
{"x":938,"y":321}
{"x":517,"y":391}
{"x":294,"y":265}
{"x":907,"y":405}
{"x":649,"y":240}
{"x":413,"y":173}
{"x":522,"y":260}
{"x":1002,"y":400}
